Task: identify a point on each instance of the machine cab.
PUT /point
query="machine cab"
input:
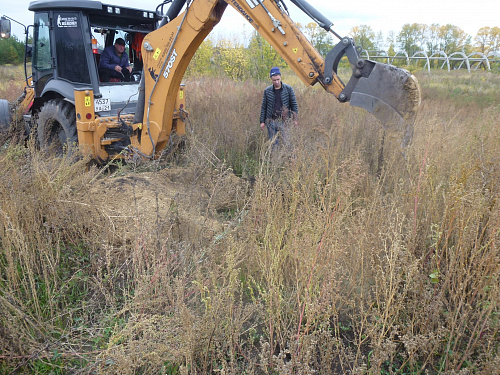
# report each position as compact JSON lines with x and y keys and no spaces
{"x":69,"y":39}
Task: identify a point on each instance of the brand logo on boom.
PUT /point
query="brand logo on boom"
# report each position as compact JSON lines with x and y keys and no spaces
{"x":170,"y":64}
{"x":242,"y":11}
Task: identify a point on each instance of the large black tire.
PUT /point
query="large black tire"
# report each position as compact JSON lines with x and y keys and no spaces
{"x":56,"y":127}
{"x":5,"y":118}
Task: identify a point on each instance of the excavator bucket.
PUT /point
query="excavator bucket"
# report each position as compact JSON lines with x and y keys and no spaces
{"x":392,"y":95}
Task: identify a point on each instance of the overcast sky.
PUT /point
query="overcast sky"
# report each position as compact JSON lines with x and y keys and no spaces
{"x":382,"y":16}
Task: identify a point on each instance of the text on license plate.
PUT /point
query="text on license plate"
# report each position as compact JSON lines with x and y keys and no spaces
{"x":101,"y":105}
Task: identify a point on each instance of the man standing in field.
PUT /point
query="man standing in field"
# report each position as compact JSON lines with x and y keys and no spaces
{"x":278,"y":106}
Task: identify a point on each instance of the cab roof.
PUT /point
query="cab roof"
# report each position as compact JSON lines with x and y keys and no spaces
{"x":81,"y":4}
{"x":66,"y":4}
{"x":96,"y":8}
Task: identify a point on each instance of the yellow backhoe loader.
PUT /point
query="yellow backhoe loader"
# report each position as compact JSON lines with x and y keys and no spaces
{"x":67,"y":101}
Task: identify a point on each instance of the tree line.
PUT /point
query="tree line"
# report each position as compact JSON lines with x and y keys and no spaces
{"x":11,"y":51}
{"x":253,"y":59}
{"x":417,"y":37}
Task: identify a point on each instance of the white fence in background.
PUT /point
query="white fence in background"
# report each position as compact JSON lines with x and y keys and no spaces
{"x":454,"y":61}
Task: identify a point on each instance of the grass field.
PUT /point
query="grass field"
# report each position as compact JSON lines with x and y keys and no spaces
{"x":230,"y":259}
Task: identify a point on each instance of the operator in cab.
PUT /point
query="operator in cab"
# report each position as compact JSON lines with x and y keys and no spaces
{"x":114,"y":63}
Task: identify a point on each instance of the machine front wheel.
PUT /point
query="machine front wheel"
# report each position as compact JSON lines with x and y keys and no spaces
{"x":56,"y":127}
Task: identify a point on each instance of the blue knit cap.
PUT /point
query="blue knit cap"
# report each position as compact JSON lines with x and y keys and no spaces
{"x":274,"y":71}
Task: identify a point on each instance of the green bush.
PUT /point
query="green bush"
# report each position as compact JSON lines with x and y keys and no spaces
{"x":11,"y":51}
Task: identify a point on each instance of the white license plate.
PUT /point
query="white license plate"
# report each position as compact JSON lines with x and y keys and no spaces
{"x":102,"y":105}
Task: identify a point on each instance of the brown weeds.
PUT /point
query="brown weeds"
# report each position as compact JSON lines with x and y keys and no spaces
{"x":322,"y":266}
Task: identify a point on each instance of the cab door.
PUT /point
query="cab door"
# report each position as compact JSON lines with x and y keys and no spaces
{"x":43,"y":67}
{"x":71,"y":58}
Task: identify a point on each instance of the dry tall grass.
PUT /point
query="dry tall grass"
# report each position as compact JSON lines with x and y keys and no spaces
{"x":334,"y":264}
{"x":11,"y":81}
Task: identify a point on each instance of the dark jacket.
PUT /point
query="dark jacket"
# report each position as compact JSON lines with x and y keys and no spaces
{"x":109,"y":59}
{"x":287,"y":98}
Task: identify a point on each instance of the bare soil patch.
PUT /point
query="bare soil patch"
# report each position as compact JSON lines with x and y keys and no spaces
{"x":190,"y":199}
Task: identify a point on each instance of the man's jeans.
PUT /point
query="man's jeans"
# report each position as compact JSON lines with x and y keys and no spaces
{"x":278,"y":133}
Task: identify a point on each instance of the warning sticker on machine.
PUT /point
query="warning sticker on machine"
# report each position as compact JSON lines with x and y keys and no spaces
{"x":157,"y":54}
{"x":67,"y":21}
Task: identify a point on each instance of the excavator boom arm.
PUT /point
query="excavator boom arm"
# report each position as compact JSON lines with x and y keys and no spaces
{"x":168,"y":50}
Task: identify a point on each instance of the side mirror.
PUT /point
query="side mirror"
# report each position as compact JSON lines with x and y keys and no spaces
{"x":4,"y":28}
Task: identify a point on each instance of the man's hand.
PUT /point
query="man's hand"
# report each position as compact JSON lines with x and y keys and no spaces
{"x":118,"y":68}
{"x":129,"y":68}
{"x":262,"y":125}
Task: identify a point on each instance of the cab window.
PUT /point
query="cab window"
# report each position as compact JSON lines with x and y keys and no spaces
{"x":41,"y":54}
